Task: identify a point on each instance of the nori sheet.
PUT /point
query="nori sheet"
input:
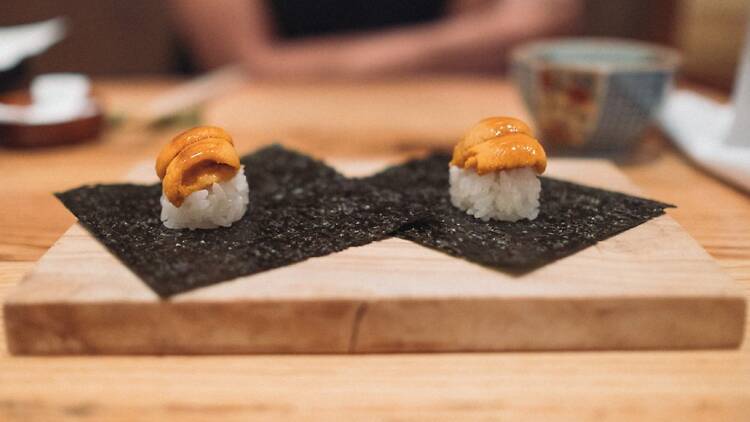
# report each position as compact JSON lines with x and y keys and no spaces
{"x":572,"y":217}
{"x":299,"y":208}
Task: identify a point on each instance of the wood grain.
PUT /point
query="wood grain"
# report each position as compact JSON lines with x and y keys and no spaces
{"x":581,"y":386}
{"x":651,"y":287}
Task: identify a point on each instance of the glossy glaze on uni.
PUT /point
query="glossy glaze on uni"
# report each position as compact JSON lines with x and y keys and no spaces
{"x":499,"y":143}
{"x":194,"y":160}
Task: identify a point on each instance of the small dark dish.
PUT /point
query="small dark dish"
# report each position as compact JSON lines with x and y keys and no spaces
{"x":25,"y":135}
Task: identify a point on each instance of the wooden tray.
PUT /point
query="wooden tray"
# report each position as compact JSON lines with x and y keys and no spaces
{"x":652,"y":287}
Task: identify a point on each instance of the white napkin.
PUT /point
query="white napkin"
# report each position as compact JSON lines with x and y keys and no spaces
{"x":22,"y":41}
{"x":715,"y":136}
{"x":700,"y":127}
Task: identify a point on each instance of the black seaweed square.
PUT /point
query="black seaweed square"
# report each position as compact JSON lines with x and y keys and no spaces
{"x":299,"y":208}
{"x":572,"y":217}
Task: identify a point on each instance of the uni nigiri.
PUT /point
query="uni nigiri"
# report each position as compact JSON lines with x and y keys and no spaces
{"x":494,"y":168}
{"x":203,"y":183}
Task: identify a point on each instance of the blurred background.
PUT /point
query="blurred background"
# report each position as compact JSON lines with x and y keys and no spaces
{"x":111,"y":37}
{"x":123,"y":49}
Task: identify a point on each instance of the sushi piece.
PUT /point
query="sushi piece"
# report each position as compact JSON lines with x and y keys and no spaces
{"x":203,"y":184}
{"x":494,"y":168}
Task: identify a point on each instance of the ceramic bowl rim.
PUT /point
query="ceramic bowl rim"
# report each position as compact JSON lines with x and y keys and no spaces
{"x":668,"y":59}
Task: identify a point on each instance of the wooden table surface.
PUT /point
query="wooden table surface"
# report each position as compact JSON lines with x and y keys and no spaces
{"x":386,"y":119}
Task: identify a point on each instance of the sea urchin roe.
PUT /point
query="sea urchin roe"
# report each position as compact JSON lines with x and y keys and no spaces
{"x":200,"y":161}
{"x":499,"y":143}
{"x":184,"y":139}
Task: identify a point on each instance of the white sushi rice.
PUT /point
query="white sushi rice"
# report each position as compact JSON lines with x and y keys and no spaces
{"x":509,"y":195}
{"x":220,"y":205}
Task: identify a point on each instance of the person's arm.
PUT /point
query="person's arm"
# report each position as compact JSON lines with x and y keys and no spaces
{"x":473,"y":36}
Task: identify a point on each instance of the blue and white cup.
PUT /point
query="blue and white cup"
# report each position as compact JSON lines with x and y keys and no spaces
{"x":593,"y":94}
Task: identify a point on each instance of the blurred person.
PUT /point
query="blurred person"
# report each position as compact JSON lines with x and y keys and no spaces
{"x":360,"y":38}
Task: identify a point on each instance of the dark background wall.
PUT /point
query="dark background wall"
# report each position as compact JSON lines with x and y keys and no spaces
{"x":105,"y":36}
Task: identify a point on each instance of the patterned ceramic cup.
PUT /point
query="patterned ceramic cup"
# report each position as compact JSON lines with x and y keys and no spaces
{"x":593,"y":94}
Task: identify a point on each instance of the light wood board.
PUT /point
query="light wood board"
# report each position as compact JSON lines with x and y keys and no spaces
{"x":652,"y":287}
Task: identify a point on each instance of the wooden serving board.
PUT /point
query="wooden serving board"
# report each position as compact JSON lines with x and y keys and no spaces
{"x":652,"y":287}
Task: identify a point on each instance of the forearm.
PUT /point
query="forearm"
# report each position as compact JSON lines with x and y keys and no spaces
{"x":217,"y":32}
{"x":481,"y":41}
{"x":230,"y":31}
{"x":476,"y":38}
{"x":351,"y":56}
